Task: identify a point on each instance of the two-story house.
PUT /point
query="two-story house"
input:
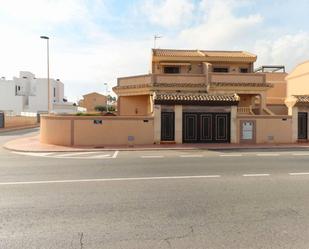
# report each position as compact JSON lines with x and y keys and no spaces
{"x":196,"y":95}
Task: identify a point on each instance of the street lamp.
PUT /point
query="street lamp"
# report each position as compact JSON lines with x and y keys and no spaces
{"x":106,"y":90}
{"x":48,"y":80}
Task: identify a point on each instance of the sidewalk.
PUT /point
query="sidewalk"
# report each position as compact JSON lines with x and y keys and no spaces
{"x":32,"y":144}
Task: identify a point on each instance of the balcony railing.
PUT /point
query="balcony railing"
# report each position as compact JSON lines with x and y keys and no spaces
{"x":237,"y":77}
{"x":192,"y":78}
{"x":245,"y":110}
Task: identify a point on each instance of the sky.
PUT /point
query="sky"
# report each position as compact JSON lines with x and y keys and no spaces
{"x":93,"y":42}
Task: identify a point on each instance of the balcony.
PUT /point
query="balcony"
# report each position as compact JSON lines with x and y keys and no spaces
{"x":255,"y":78}
{"x":198,"y":79}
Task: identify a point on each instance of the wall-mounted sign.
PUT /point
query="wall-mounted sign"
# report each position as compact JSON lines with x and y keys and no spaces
{"x":131,"y":138}
{"x":247,"y":130}
{"x":97,"y":121}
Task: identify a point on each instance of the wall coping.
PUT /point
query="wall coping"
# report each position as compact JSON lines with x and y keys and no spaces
{"x":71,"y":117}
{"x":264,"y":116}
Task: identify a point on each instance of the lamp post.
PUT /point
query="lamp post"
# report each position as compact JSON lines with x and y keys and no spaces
{"x":48,"y":80}
{"x":106,"y":90}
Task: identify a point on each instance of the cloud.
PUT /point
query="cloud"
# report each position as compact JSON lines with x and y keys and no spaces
{"x":168,"y":13}
{"x":220,"y":26}
{"x":289,"y":50}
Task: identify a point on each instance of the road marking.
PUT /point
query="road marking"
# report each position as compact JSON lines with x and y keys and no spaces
{"x":32,"y":153}
{"x":101,"y":156}
{"x":249,"y":175}
{"x":268,"y":154}
{"x":299,"y":174}
{"x":231,"y":155}
{"x":111,"y":179}
{"x":115,"y":154}
{"x":152,"y":156}
{"x":76,"y":154}
{"x":191,"y":156}
{"x":301,"y":154}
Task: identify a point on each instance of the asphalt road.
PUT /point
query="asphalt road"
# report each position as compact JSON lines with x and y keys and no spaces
{"x":160,"y":199}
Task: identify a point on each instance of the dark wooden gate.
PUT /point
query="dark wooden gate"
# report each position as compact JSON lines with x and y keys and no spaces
{"x":206,"y":127}
{"x":1,"y":119}
{"x":167,"y":126}
{"x":302,"y":125}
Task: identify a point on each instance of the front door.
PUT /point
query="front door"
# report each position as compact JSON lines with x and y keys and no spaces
{"x":206,"y":127}
{"x":302,"y":125}
{"x":167,"y":126}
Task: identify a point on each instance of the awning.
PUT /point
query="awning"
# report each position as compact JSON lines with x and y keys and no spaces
{"x":195,"y":99}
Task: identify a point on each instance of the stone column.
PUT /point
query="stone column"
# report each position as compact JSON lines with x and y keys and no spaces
{"x":157,"y":124}
{"x":294,"y":124}
{"x":234,"y":124}
{"x":178,"y":124}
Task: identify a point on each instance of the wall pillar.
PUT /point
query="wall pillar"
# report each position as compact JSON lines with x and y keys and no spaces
{"x":178,"y":124}
{"x":234,"y":124}
{"x":294,"y":124}
{"x":157,"y":123}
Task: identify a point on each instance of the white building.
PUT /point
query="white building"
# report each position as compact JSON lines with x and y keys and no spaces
{"x":30,"y":94}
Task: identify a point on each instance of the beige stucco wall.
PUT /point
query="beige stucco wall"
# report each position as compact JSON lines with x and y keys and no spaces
{"x":277,"y":94}
{"x":92,"y":100}
{"x":19,"y":121}
{"x":277,"y":127}
{"x":55,"y":131}
{"x":138,"y":105}
{"x":81,"y":130}
{"x":298,"y":80}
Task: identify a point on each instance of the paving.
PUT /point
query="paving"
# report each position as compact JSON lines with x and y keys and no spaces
{"x":257,"y":198}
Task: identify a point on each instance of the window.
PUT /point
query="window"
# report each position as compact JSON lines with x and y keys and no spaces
{"x":244,"y":70}
{"x":220,"y":70}
{"x":172,"y":70}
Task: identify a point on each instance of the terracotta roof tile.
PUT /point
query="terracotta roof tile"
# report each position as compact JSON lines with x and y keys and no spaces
{"x":236,"y":84}
{"x":193,"y":97}
{"x":304,"y":99}
{"x":175,"y":52}
{"x":202,"y":53}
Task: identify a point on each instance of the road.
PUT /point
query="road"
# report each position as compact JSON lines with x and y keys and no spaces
{"x":154,"y":199}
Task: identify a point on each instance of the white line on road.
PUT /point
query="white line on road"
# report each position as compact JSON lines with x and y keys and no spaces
{"x":191,"y":156}
{"x":152,"y":156}
{"x":112,"y":179}
{"x":268,"y":154}
{"x":301,"y":154}
{"x":256,"y":175}
{"x":231,"y":155}
{"x":76,"y":154}
{"x":115,"y":154}
{"x":32,"y":153}
{"x":299,"y":173}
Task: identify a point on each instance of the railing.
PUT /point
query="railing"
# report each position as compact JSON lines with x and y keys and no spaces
{"x":245,"y":110}
{"x":192,"y":78}
{"x":237,"y":77}
{"x":163,"y":79}
{"x":135,"y":80}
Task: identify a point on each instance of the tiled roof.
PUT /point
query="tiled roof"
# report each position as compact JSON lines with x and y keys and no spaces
{"x":304,"y":99}
{"x":202,"y":53}
{"x":179,"y":85}
{"x":228,"y":54}
{"x":235,"y":84}
{"x":195,"y":98}
{"x":175,"y":52}
{"x":132,"y":86}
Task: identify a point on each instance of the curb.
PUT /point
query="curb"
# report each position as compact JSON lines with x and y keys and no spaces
{"x":160,"y":149}
{"x":5,"y":130}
